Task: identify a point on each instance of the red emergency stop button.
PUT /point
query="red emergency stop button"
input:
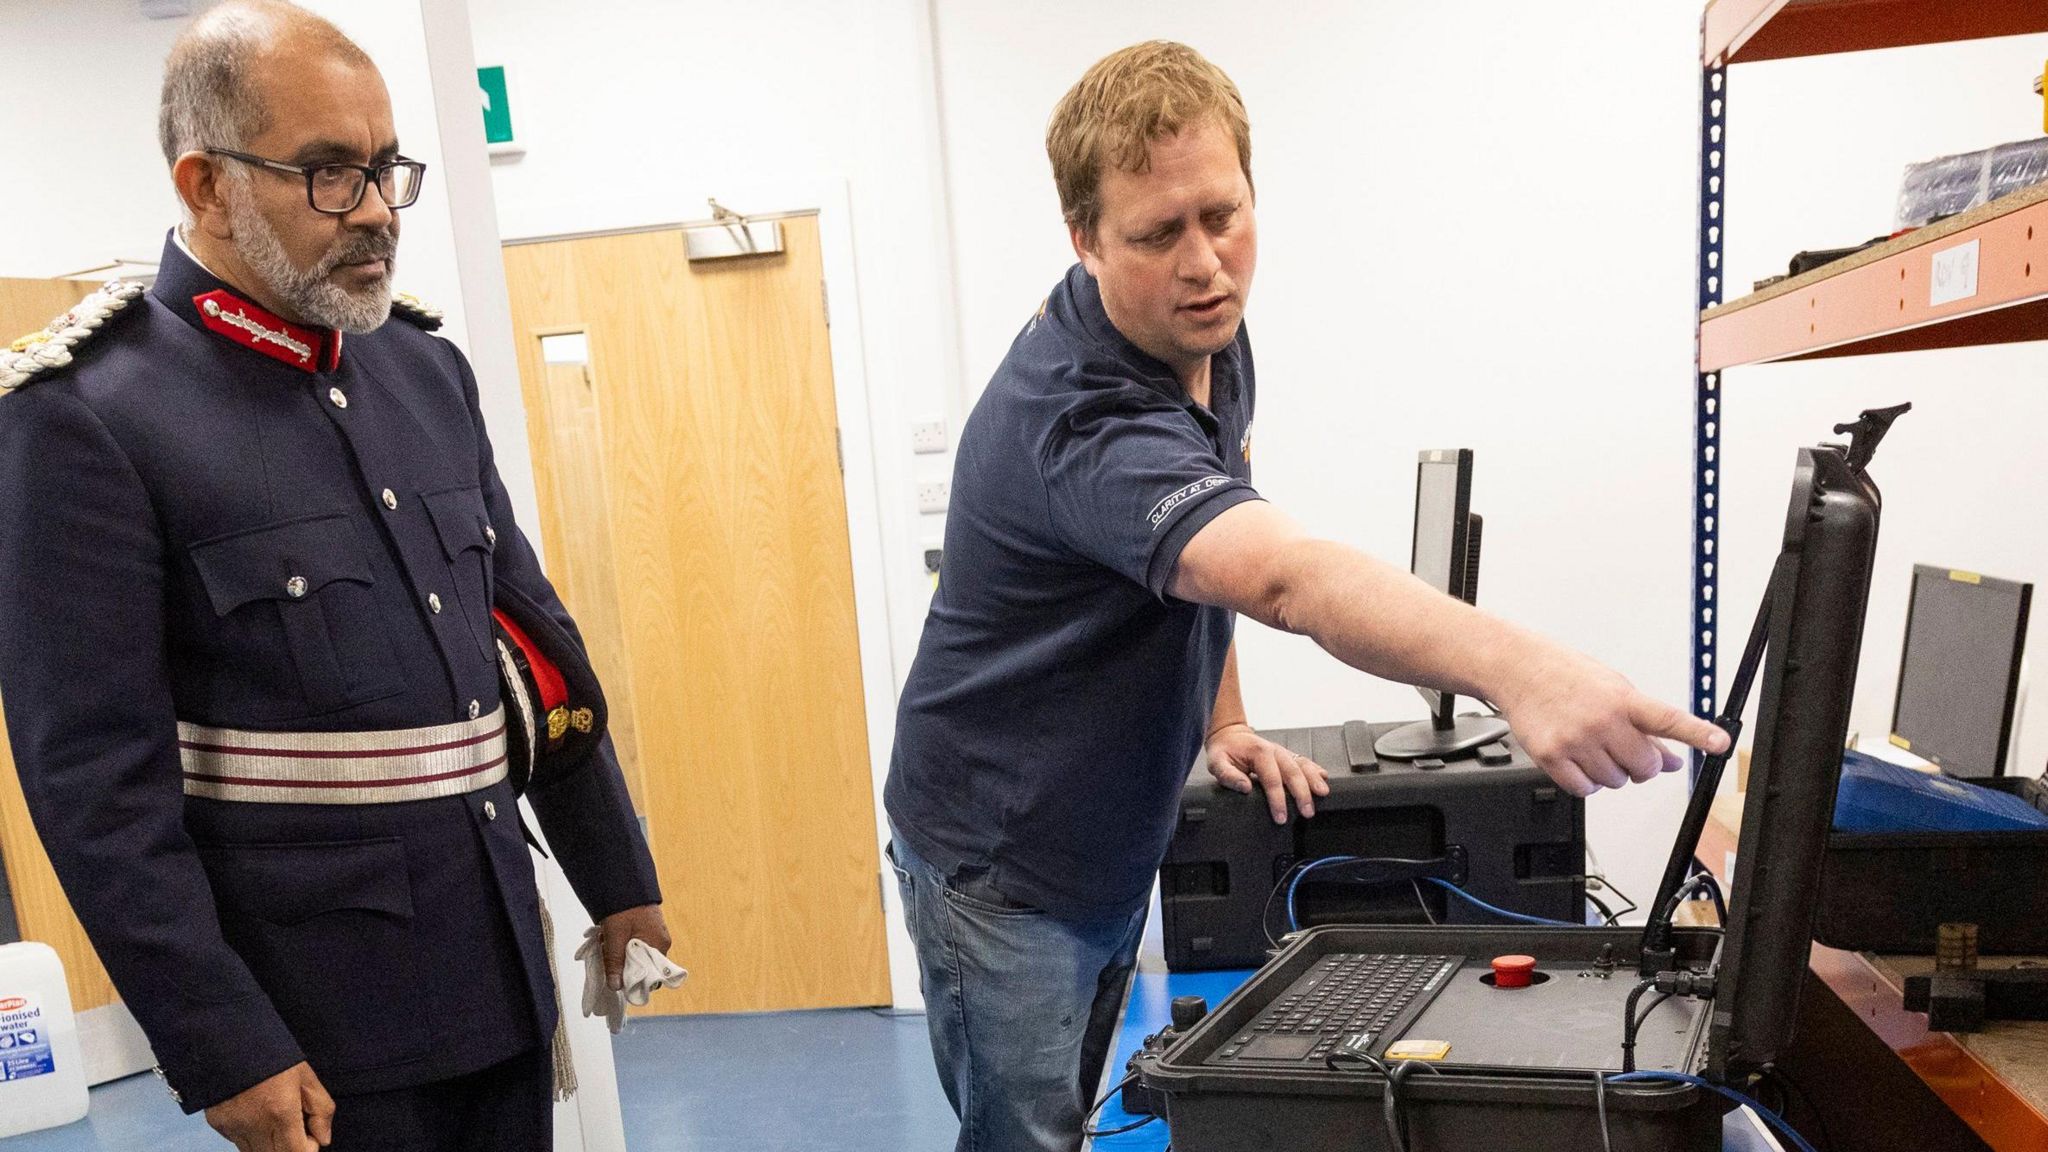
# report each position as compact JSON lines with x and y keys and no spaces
{"x":1513,"y":971}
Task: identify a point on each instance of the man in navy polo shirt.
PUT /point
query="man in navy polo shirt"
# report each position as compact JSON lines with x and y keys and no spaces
{"x":1103,"y":535}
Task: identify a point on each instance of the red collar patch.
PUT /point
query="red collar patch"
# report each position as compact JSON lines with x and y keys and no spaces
{"x":230,"y":316}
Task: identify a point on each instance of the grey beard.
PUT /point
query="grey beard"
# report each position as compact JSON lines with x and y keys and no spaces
{"x":308,"y":292}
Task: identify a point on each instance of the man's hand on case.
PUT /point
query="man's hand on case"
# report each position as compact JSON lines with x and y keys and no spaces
{"x":1240,"y":759}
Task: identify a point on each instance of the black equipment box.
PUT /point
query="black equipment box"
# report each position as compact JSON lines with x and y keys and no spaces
{"x":1216,"y":1109}
{"x":1490,"y":822}
{"x":1324,"y":1038}
{"x":1890,"y":891}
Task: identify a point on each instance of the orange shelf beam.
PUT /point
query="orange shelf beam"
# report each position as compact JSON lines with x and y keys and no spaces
{"x":1881,"y":299}
{"x":1976,"y":1094}
{"x":1741,"y":31}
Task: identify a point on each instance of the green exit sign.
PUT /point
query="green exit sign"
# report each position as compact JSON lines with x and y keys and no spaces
{"x":497,"y":109}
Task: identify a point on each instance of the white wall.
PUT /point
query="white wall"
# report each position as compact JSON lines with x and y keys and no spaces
{"x":1479,"y":232}
{"x":634,"y":112}
{"x":86,"y":97}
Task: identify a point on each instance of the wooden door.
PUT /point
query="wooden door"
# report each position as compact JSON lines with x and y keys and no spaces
{"x":694,"y":520}
{"x":39,"y":905}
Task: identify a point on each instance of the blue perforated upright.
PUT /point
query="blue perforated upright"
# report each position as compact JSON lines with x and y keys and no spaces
{"x":1707,"y":393}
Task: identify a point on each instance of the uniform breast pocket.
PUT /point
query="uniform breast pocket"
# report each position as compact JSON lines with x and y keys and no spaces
{"x":298,"y":604}
{"x":327,"y":930}
{"x":468,"y":540}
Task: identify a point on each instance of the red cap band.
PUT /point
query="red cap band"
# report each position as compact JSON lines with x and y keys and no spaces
{"x":554,"y":690}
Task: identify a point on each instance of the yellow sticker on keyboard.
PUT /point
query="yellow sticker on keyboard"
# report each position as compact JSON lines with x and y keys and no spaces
{"x":1418,"y":1050}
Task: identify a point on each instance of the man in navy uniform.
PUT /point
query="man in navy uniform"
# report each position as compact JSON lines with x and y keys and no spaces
{"x":251,"y":534}
{"x":1103,"y":536}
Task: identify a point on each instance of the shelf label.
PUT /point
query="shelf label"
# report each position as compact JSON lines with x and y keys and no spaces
{"x":1953,"y":276}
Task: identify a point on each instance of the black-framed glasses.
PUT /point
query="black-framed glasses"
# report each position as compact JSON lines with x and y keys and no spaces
{"x":336,"y":189}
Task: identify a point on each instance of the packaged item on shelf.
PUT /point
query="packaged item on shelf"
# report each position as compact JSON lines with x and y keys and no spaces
{"x":1951,"y":184}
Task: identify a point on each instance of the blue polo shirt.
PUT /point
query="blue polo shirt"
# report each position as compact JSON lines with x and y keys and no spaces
{"x":1060,"y":693}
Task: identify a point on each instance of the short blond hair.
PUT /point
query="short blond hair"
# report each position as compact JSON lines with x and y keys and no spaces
{"x":1124,"y":102}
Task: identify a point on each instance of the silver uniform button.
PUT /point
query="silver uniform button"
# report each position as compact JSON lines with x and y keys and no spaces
{"x":491,"y":535}
{"x":211,"y":308}
{"x":476,"y":709}
{"x":390,"y":499}
{"x":339,"y":397}
{"x":490,"y":810}
{"x":433,"y":601}
{"x":295,"y":587}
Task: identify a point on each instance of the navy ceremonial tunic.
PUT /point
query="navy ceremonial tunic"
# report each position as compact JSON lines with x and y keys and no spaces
{"x":285,"y":533}
{"x":1060,"y":692}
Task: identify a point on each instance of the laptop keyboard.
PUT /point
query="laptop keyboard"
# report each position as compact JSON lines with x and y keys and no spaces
{"x":1346,"y":994}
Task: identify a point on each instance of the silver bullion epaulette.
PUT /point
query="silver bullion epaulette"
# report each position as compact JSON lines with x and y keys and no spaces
{"x":51,"y":348}
{"x":416,"y":310}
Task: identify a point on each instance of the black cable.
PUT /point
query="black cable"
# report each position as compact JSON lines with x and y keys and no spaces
{"x":1777,"y":1093}
{"x":1611,"y":886}
{"x":1389,"y":1106}
{"x":1649,"y":1010}
{"x":1784,"y":1082}
{"x":1390,"y":1095}
{"x":1606,"y":913}
{"x":1690,"y":891}
{"x":1093,"y":1133}
{"x":1720,"y":904}
{"x":1390,"y":1113}
{"x":1628,"y":1025}
{"x":1685,"y":891}
{"x":1627,"y":899}
{"x":1390,"y":1103}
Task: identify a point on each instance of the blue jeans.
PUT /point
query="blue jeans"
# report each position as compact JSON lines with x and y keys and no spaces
{"x":1022,"y":1005}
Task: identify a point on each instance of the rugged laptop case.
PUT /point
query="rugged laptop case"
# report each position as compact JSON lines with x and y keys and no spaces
{"x":1812,"y":622}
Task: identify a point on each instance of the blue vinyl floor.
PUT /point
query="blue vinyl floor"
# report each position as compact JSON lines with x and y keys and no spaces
{"x":829,"y":1081}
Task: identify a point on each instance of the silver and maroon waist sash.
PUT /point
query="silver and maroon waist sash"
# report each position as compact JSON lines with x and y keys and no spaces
{"x":343,"y":767}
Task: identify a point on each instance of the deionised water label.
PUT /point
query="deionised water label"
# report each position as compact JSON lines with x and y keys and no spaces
{"x":24,"y":1040}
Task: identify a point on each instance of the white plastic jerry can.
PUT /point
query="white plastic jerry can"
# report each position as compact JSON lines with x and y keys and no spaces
{"x":42,"y":1075}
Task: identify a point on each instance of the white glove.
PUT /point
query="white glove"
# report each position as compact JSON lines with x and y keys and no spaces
{"x":646,"y":969}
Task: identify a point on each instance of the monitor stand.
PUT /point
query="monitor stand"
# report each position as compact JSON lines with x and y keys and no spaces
{"x":1440,"y":736}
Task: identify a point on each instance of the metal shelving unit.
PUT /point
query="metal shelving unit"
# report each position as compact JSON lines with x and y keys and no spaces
{"x":1900,"y":296}
{"x":1891,"y":298}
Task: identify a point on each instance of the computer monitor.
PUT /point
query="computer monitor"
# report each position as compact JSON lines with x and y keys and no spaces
{"x":1445,"y":555}
{"x":1960,"y":673}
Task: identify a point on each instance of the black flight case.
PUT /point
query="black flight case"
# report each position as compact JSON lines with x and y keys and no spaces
{"x":1488,"y":821}
{"x":1539,"y":1068}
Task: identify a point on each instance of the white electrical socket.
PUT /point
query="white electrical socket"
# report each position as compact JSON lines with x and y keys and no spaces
{"x":932,"y":495}
{"x":928,"y":436}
